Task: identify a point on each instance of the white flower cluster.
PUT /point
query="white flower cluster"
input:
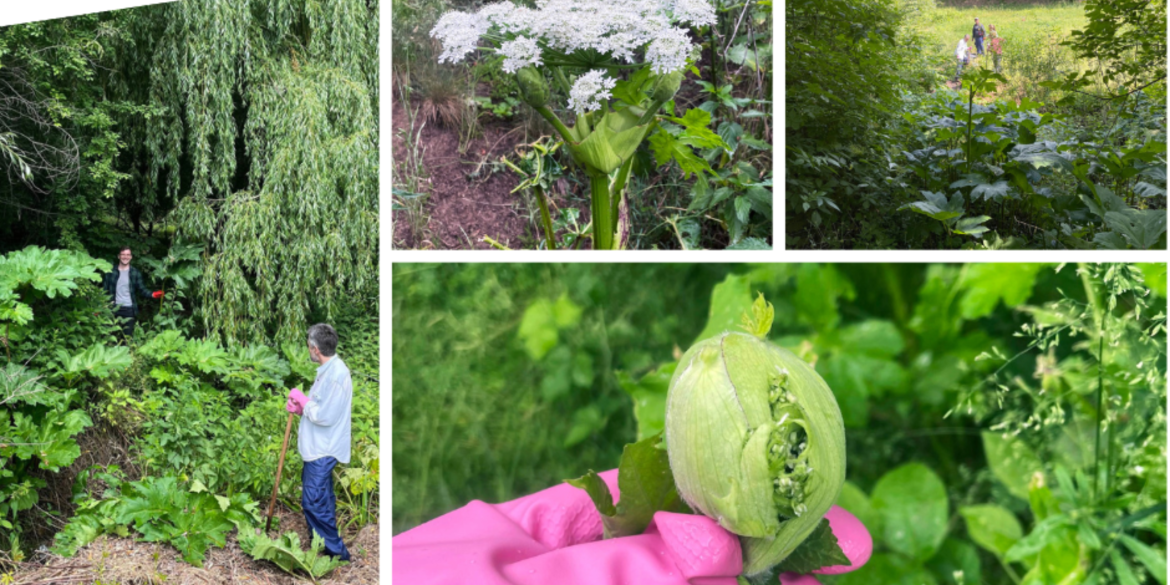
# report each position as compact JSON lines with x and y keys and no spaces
{"x":589,"y":91}
{"x":519,"y":53}
{"x":613,"y":28}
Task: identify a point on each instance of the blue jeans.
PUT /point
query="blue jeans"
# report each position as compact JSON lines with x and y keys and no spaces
{"x":320,"y":504}
{"x":979,"y":45}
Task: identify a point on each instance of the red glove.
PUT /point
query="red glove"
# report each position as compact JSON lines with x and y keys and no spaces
{"x":296,"y":402}
{"x":158,"y":294}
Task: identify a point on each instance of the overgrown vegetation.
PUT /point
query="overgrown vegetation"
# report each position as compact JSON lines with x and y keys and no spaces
{"x":1005,"y":423}
{"x":1064,"y":149}
{"x":180,"y":130}
{"x":702,"y":180}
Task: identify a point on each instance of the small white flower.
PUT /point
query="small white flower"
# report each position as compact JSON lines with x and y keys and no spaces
{"x":669,"y":51}
{"x":519,"y":53}
{"x":589,"y":91}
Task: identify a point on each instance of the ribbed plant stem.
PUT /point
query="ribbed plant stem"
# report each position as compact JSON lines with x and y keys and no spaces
{"x":619,"y":185}
{"x":545,"y":218}
{"x":602,"y":218}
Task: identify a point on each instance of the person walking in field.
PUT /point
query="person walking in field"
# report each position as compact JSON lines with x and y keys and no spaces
{"x":323,"y":436}
{"x":124,"y":286}
{"x":962,"y":53}
{"x":996,"y":48}
{"x":978,"y":33}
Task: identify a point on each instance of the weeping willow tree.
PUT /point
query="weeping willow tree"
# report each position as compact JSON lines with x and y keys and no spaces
{"x":265,"y":145}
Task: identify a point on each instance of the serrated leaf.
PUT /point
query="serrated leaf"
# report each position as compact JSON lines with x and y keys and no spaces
{"x":646,"y":485}
{"x":819,"y":550}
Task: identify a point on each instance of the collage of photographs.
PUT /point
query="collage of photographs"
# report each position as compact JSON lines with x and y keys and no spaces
{"x":620,"y":351}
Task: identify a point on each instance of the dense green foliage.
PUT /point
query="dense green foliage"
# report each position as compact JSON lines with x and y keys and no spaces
{"x":1004,"y":422}
{"x":183,"y":404}
{"x":703,"y":179}
{"x":1065,"y":149}
{"x":249,"y":127}
{"x":233,"y":146}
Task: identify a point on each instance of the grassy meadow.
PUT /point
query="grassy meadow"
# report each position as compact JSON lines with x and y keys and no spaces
{"x":1032,"y":36}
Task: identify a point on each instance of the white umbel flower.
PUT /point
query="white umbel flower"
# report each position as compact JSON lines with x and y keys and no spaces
{"x":459,"y":32}
{"x":696,"y":12}
{"x":589,"y":91}
{"x":520,"y":53}
{"x":619,"y":29}
{"x":668,"y":52}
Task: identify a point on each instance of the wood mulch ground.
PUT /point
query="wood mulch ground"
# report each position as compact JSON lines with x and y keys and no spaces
{"x":469,"y":194}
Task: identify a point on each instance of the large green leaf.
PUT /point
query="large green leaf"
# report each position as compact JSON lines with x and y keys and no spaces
{"x":1011,"y":461}
{"x":1142,"y":229}
{"x":992,"y":527}
{"x":912,"y":503}
{"x":987,"y":284}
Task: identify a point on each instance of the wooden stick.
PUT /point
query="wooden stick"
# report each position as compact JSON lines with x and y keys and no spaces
{"x":279,"y":468}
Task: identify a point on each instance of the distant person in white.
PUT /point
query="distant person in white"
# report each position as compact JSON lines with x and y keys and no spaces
{"x":323,"y":437}
{"x":962,"y":53}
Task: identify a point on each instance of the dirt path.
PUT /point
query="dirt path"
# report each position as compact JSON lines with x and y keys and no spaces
{"x":127,"y":562}
{"x":470,"y":197}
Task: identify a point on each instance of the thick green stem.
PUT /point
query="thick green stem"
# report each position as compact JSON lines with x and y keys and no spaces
{"x":970,"y":124}
{"x":544,"y":216}
{"x":561,"y":79}
{"x":601,"y":209}
{"x":564,"y":131}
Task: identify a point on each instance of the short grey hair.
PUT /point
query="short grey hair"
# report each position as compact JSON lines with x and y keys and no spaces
{"x":324,"y":338}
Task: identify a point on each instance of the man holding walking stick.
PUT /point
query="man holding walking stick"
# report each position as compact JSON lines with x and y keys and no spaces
{"x":323,"y":436}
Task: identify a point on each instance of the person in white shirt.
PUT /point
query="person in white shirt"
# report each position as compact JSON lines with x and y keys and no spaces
{"x":323,"y":437}
{"x":962,"y":53}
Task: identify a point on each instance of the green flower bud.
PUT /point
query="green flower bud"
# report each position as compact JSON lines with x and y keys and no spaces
{"x":756,"y":441}
{"x":533,"y":87}
{"x":666,"y":86}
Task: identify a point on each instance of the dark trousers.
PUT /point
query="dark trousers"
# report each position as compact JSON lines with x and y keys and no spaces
{"x":320,"y":505}
{"x":979,"y":45}
{"x":128,"y":316}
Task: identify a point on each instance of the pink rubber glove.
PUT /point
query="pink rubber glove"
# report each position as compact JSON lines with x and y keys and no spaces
{"x":296,"y":402}
{"x":554,"y":537}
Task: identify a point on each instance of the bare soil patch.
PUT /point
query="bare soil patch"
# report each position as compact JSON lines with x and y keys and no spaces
{"x":469,"y":196}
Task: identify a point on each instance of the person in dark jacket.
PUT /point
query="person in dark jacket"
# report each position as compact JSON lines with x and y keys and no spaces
{"x":977,"y":33}
{"x":124,"y":286}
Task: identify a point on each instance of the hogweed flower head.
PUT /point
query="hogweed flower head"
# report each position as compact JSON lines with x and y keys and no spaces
{"x":589,"y":91}
{"x":519,"y":53}
{"x":756,"y":441}
{"x":618,"y":30}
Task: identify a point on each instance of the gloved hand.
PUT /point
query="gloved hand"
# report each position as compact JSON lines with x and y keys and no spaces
{"x":296,"y":401}
{"x":554,"y":537}
{"x":158,"y":294}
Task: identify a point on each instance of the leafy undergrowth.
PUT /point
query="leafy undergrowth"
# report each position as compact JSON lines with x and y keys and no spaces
{"x":286,"y":552}
{"x":123,"y":560}
{"x":159,"y":510}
